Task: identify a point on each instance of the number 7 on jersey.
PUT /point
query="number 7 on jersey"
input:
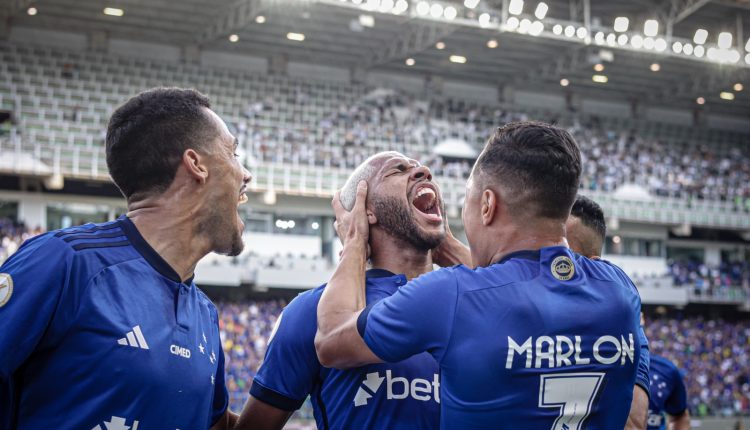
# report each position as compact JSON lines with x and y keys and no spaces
{"x":572,"y":393}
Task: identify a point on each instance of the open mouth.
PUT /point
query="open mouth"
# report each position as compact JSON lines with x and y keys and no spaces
{"x":243,"y":197}
{"x":427,"y":203}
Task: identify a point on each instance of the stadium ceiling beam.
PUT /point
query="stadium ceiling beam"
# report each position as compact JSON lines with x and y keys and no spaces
{"x":234,"y":18}
{"x":18,"y":6}
{"x":561,"y":66}
{"x":419,"y":36}
{"x":678,"y":10}
{"x":704,"y":85}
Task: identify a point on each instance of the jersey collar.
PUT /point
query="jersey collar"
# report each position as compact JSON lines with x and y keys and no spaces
{"x":525,"y":255}
{"x":149,"y":254}
{"x":378,"y":273}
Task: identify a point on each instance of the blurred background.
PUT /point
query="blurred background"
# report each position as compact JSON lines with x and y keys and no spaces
{"x":654,"y":91}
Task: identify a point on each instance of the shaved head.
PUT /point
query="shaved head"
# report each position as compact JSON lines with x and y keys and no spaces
{"x":363,"y":172}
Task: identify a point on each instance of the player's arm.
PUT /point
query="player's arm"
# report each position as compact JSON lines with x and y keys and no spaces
{"x":680,"y":422}
{"x":676,"y":405}
{"x":259,"y":415}
{"x":226,"y":422}
{"x":337,"y":341}
{"x":638,"y":416}
{"x":32,"y":284}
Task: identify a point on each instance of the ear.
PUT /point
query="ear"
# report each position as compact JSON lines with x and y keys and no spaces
{"x":490,"y":201}
{"x":195,"y":166}
{"x":371,"y":218}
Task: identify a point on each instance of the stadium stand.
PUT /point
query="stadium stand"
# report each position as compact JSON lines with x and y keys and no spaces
{"x":64,"y":99}
{"x":302,"y":137}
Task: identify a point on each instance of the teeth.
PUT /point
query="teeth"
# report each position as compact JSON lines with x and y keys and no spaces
{"x":424,"y":191}
{"x":243,"y":198}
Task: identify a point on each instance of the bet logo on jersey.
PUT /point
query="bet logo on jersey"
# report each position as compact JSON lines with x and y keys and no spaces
{"x":562,"y":268}
{"x":398,"y":388}
{"x":6,"y":288}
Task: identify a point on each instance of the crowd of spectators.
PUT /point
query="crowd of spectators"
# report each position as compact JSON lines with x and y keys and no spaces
{"x":715,"y":357}
{"x":724,"y":280}
{"x":386,"y":120}
{"x":12,"y":235}
{"x":245,"y":328}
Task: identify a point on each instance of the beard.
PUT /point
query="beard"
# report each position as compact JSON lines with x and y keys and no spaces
{"x":397,"y":220}
{"x":222,"y":232}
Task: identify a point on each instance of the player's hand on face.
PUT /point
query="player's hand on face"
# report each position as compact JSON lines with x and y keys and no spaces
{"x":352,"y":225}
{"x":451,"y":251}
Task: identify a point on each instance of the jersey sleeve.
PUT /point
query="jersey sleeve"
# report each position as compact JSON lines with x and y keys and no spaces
{"x":220,"y":402}
{"x":644,"y":363}
{"x":32,"y":282}
{"x":290,"y":367}
{"x":644,"y":358}
{"x":221,"y":395}
{"x":676,"y":403}
{"x":417,"y":318}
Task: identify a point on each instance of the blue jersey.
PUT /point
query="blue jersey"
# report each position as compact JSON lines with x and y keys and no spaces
{"x":403,"y":395}
{"x":668,"y":393}
{"x":543,"y":339}
{"x":99,"y":333}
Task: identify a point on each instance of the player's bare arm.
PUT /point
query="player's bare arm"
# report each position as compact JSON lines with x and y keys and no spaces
{"x":680,"y":422}
{"x":638,"y":410}
{"x":226,"y":422}
{"x":259,"y":415}
{"x":337,"y":341}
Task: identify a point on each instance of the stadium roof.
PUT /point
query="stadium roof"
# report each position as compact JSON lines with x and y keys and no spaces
{"x":334,"y":34}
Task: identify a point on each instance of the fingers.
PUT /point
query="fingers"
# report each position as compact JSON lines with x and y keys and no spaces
{"x":359,"y":203}
{"x":336,"y":202}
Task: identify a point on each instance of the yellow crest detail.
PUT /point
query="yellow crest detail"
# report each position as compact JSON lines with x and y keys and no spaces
{"x":563,"y":268}
{"x":6,"y":288}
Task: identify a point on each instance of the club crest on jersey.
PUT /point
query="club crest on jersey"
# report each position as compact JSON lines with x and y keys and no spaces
{"x":562,"y":268}
{"x":6,"y":288}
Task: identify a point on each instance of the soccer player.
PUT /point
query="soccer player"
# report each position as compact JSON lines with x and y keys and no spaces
{"x":536,"y":337}
{"x":668,"y":396}
{"x":405,"y":224}
{"x":104,"y":327}
{"x":586,"y":230}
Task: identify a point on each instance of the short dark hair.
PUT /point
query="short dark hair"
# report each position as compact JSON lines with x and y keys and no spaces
{"x":591,"y":215}
{"x":538,"y":164}
{"x":148,"y":134}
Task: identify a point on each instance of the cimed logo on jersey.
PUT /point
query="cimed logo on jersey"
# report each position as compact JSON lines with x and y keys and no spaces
{"x":397,"y":388}
{"x":6,"y":288}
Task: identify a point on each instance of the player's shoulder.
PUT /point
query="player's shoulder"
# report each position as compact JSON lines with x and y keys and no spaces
{"x":305,"y":304}
{"x":664,"y":363}
{"x":442,"y":277}
{"x":88,"y":237}
{"x":601,"y":268}
{"x":91,"y":247}
{"x":63,"y":244}
{"x":604,"y":270}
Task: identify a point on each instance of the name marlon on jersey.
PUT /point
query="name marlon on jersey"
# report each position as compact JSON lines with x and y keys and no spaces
{"x":558,"y":351}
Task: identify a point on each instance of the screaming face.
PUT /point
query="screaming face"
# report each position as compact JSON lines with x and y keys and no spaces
{"x":227,"y":192}
{"x":407,"y":203}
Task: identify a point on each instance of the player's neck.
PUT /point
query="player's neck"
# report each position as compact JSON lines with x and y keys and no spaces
{"x":171,"y":233}
{"x":400,"y":258}
{"x":531,"y":237}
